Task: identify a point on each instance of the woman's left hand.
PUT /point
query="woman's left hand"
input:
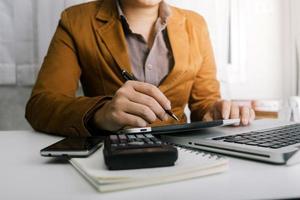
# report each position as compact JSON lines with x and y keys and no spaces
{"x":225,"y":109}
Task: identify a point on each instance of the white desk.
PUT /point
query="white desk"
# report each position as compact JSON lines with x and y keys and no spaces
{"x":24,"y":174}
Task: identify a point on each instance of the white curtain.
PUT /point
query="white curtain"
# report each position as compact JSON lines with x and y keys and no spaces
{"x":298,"y":63}
{"x":295,"y":14}
{"x":26,"y":27}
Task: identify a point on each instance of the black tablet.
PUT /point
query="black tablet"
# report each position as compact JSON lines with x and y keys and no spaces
{"x":176,"y":128}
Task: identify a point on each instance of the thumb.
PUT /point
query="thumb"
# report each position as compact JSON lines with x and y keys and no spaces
{"x":208,"y":116}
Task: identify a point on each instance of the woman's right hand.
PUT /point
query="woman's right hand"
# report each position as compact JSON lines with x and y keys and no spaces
{"x":135,"y":104}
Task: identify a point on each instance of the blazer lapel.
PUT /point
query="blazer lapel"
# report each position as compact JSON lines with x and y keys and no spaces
{"x":112,"y":34}
{"x":179,"y":43}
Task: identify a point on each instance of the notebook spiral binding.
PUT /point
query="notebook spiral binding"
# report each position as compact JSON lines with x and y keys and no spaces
{"x":199,"y":152}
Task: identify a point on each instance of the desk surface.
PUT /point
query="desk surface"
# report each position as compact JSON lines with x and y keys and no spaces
{"x":24,"y":174}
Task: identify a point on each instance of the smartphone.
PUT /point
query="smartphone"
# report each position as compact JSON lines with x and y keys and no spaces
{"x":73,"y":147}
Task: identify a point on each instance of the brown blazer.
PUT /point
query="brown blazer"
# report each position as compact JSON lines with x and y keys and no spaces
{"x":89,"y":45}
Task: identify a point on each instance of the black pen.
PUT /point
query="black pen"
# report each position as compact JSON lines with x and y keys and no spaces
{"x":128,"y":77}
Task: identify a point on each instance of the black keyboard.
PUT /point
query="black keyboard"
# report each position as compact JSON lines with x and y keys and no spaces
{"x":270,"y":138}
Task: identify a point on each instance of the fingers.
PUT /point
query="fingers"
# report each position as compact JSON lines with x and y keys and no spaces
{"x":137,"y":104}
{"x":150,"y":102}
{"x":225,"y":109}
{"x":234,"y":111}
{"x":152,"y":91}
{"x":126,"y":119}
{"x":230,"y":110}
{"x":112,"y":116}
{"x":141,"y":111}
{"x":220,"y":110}
{"x":148,"y":95}
{"x":217,"y":114}
{"x":208,"y":116}
{"x":245,"y":115}
{"x":123,"y":113}
{"x":252,"y":115}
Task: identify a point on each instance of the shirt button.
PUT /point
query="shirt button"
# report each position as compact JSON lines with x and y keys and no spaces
{"x":149,"y":67}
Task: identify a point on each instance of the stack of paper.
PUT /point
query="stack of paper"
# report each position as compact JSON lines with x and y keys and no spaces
{"x":190,"y":164}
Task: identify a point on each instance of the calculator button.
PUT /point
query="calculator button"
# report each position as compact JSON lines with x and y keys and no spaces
{"x":147,"y":140}
{"x":136,"y":143}
{"x":148,"y":135}
{"x":154,"y":139}
{"x":114,"y":145}
{"x":113,"y":138}
{"x":140,"y":136}
{"x":123,"y":138}
{"x":138,"y":140}
{"x":131,"y":136}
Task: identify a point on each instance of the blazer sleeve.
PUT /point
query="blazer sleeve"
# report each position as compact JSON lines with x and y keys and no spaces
{"x":53,"y":106}
{"x":205,"y":90}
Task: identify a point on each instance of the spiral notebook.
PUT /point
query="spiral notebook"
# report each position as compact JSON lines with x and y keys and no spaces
{"x":190,"y":164}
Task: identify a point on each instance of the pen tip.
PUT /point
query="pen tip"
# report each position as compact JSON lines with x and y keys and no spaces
{"x":175,"y":117}
{"x":172,"y":114}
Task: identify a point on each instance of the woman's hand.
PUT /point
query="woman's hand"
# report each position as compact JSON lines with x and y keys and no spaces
{"x":225,"y":109}
{"x":135,"y":104}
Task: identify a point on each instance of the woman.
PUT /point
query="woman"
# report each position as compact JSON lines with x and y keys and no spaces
{"x":166,"y":48}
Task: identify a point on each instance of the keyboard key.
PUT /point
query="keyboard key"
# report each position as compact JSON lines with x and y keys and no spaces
{"x":252,"y":143}
{"x":229,"y":140}
{"x":262,"y":141}
{"x":218,"y":138}
{"x":267,"y":144}
{"x":292,"y":142}
{"x":242,"y":141}
{"x":275,"y":146}
{"x":284,"y":144}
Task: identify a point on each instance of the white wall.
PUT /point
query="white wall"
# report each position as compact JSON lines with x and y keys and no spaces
{"x":295,"y":38}
{"x":261,"y":58}
{"x":264,"y":47}
{"x":26,"y":27}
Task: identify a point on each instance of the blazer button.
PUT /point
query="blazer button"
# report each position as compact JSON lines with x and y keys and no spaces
{"x":149,"y":67}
